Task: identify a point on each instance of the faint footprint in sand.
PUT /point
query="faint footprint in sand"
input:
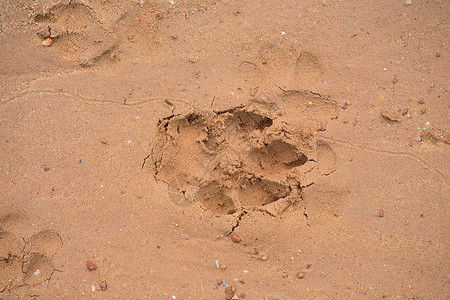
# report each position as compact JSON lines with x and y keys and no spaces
{"x":26,"y":265}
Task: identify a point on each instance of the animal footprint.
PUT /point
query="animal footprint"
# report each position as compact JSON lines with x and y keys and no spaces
{"x":26,"y":266}
{"x":244,"y":158}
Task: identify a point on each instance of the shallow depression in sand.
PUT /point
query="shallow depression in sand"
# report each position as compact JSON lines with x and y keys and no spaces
{"x":228,"y":161}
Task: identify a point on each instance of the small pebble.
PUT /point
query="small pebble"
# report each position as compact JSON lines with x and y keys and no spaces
{"x":223,"y":267}
{"x":438,"y":54}
{"x":46,"y":169}
{"x":423,"y":111}
{"x":263,"y":258}
{"x":308,"y":266}
{"x":381,"y":213}
{"x":241,"y":281}
{"x":242,"y":295}
{"x":235,"y":297}
{"x":285,"y":275}
{"x":408,"y":2}
{"x":228,"y":293}
{"x":141,"y":4}
{"x":47,"y":42}
{"x":103,"y":285}
{"x":219,"y":281}
{"x":405,"y":111}
{"x":421,"y":101}
{"x":90,"y":265}
{"x":300,"y":275}
{"x":235,"y":238}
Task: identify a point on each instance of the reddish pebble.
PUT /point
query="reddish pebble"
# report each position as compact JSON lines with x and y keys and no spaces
{"x":285,"y":275}
{"x":405,"y":111}
{"x":421,"y":101}
{"x":228,"y":293}
{"x":235,"y":238}
{"x":47,"y":42}
{"x":91,"y":266}
{"x":410,"y":144}
{"x":381,"y":213}
{"x":241,"y":296}
{"x":423,"y":111}
{"x":438,"y":54}
{"x":242,"y":281}
{"x":308,"y":266}
{"x":158,"y":246}
{"x":46,"y":169}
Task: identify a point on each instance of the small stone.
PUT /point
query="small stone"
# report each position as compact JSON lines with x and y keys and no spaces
{"x":408,"y":2}
{"x":90,"y":265}
{"x":235,"y":297}
{"x":47,"y":42}
{"x":308,"y":266}
{"x":300,"y":275}
{"x":223,"y":267}
{"x":284,"y":275}
{"x":103,"y":285}
{"x":235,"y":238}
{"x":241,"y":281}
{"x":242,"y":295}
{"x":423,"y":111}
{"x":46,"y":169}
{"x":344,"y":106}
{"x":141,"y":4}
{"x":405,"y":111}
{"x":264,"y":258}
{"x":233,"y":289}
{"x":219,"y":282}
{"x":438,"y":54}
{"x":421,"y":101}
{"x":381,"y":213}
{"x":228,"y":293}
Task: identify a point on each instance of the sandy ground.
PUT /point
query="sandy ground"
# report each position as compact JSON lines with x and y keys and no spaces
{"x":217,"y":149}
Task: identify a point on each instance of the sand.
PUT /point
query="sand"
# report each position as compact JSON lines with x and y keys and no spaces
{"x":218,"y":149}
